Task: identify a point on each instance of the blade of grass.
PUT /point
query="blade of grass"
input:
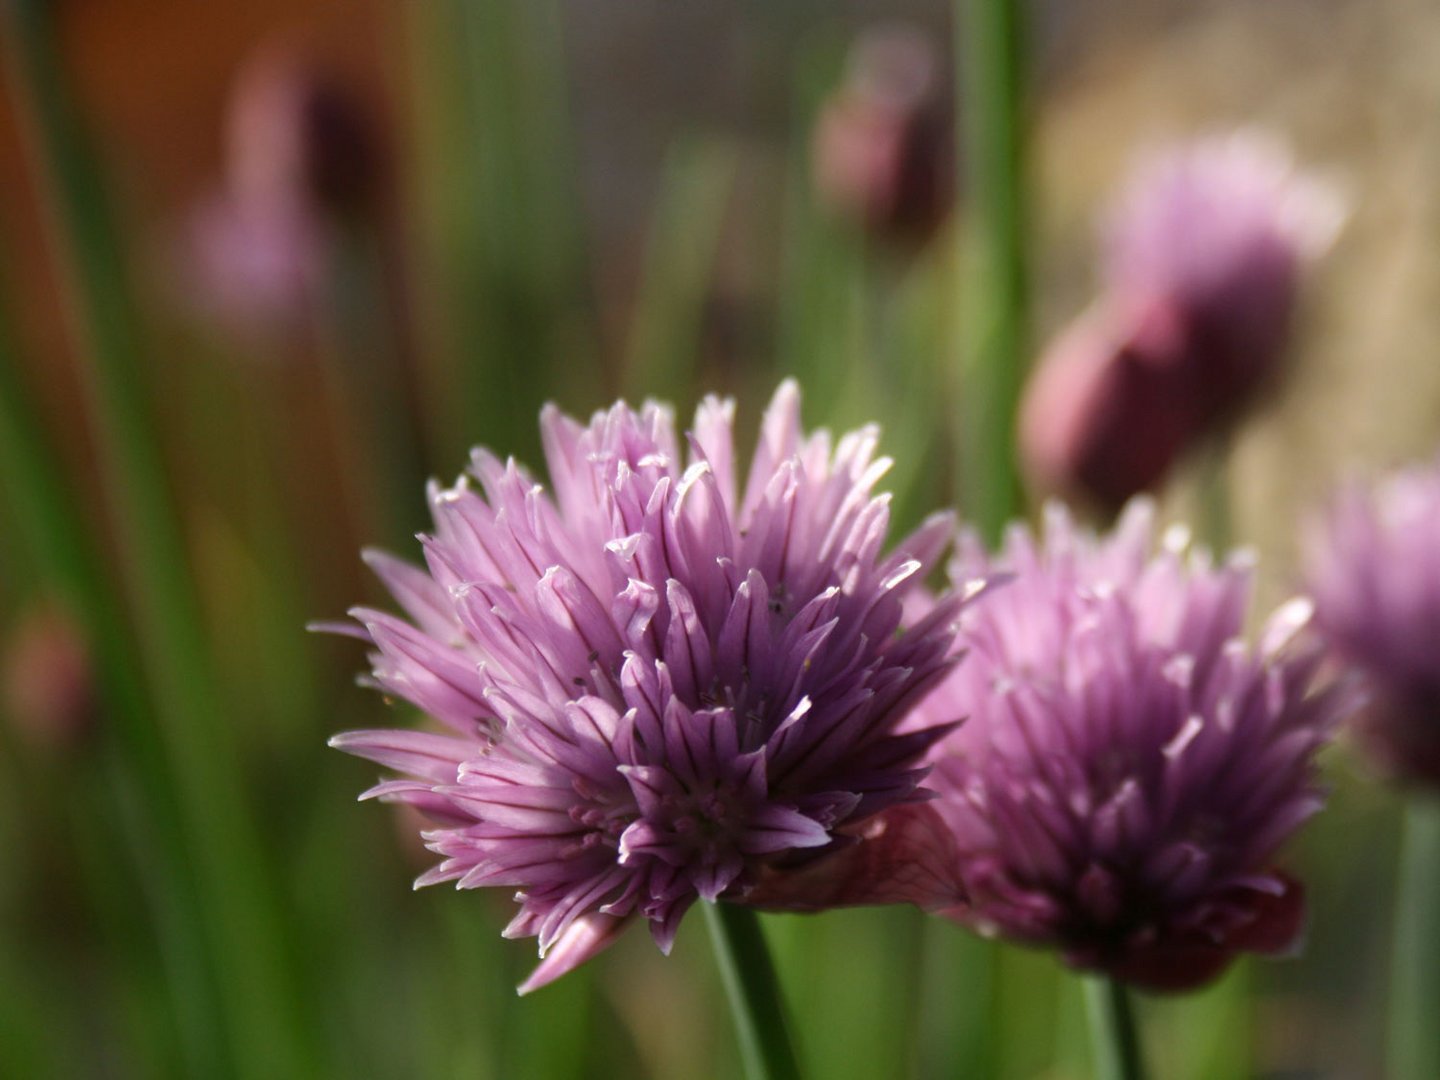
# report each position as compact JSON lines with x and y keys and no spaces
{"x":996,"y":293}
{"x":820,"y":336}
{"x":368,"y":388}
{"x":262,"y":1012}
{"x":43,"y":509}
{"x":668,"y":323}
{"x":526,"y":318}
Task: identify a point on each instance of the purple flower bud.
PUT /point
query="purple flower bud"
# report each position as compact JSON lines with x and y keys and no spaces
{"x":1204,"y":253}
{"x":298,"y":137}
{"x":883,"y":150}
{"x":1111,"y":406}
{"x":1372,"y":567}
{"x":661,"y":680}
{"x":302,"y":156}
{"x":1128,"y":766}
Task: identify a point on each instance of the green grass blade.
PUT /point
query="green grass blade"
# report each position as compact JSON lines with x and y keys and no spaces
{"x":262,"y":1011}
{"x":996,"y":292}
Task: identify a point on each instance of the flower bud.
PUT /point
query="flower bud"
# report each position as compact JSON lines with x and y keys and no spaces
{"x":883,"y":148}
{"x":47,"y":681}
{"x":1204,"y":251}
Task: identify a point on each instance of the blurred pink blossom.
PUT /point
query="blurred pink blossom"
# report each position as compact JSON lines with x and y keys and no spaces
{"x":47,"y":682}
{"x":883,"y":147}
{"x":1204,"y":251}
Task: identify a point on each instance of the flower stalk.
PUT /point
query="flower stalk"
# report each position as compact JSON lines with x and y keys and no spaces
{"x":992,"y":51}
{"x":1114,"y":1036}
{"x":1415,"y":966}
{"x":754,"y":992}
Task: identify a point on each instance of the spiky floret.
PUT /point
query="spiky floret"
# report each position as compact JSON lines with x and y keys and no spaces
{"x":655,"y":682}
{"x":1129,"y":766}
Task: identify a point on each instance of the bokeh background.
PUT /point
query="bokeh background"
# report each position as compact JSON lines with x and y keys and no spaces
{"x":358,"y":239}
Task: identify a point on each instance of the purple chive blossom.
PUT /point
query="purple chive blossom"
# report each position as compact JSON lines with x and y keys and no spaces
{"x":1129,"y":766}
{"x":1221,"y":226}
{"x":1204,"y":253}
{"x":1374,"y":570}
{"x":657,"y":683}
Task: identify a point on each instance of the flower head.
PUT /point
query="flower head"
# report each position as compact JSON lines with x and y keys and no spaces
{"x":661,"y":679}
{"x":1221,"y":226}
{"x":1374,"y":571}
{"x":1128,"y":766}
{"x":1204,"y":250}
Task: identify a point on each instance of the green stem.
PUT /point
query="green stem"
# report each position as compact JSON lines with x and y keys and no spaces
{"x":667,"y":330}
{"x":365,"y":376}
{"x":958,"y":1018}
{"x":1415,"y":966}
{"x":1216,"y":514}
{"x":754,"y":992}
{"x":1113,"y":1034}
{"x":997,"y":293}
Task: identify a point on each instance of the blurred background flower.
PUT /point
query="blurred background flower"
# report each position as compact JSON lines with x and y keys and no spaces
{"x":1204,"y":250}
{"x":302,"y":166}
{"x":49,"y":686}
{"x":883,"y":151}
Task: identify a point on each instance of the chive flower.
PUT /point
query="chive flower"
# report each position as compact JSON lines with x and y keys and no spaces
{"x":660,"y":678}
{"x":1204,"y":252}
{"x":882,"y":151}
{"x":1129,"y":766}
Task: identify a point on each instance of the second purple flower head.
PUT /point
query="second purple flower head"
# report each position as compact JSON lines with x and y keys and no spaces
{"x":1128,"y":766}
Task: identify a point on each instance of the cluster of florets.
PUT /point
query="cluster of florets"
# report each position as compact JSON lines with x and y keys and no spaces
{"x":1128,"y":766}
{"x":656,"y":682}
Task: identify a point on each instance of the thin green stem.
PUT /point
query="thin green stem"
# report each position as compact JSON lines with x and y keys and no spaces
{"x":1114,"y":1037}
{"x":1215,"y":507}
{"x":1415,"y":966}
{"x":667,"y":329}
{"x":754,"y":992}
{"x":997,"y":290}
